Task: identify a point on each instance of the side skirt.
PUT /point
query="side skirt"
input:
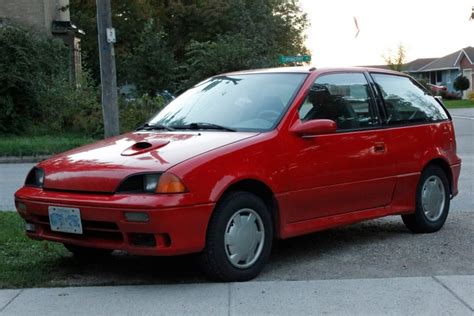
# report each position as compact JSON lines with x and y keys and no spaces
{"x":322,"y":223}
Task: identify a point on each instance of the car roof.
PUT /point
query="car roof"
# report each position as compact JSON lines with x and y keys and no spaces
{"x":309,"y":69}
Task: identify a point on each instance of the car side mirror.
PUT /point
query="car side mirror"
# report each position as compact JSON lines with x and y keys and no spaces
{"x":314,"y":127}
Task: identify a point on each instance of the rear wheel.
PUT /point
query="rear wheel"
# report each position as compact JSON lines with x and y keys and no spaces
{"x":86,"y":252}
{"x":239,"y":238}
{"x":432,"y":202}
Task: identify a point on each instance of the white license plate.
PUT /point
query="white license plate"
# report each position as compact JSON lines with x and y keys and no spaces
{"x":65,"y":219}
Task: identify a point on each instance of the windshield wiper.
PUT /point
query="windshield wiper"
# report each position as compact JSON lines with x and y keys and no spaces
{"x":149,"y":127}
{"x":202,"y":125}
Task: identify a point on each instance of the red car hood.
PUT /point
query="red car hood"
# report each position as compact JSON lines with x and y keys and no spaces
{"x":100,"y":167}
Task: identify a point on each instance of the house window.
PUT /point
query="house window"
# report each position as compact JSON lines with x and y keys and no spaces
{"x":439,"y":76}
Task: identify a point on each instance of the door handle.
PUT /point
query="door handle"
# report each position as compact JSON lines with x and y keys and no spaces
{"x":379,"y":147}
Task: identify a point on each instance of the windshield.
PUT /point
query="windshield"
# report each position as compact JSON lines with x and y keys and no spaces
{"x":248,"y":102}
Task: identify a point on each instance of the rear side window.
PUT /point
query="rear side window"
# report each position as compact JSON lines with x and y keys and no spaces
{"x":405,"y":102}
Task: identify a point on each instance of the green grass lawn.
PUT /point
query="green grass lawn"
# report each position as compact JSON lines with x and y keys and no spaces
{"x":25,"y":262}
{"x":456,"y":104}
{"x":39,"y":145}
{"x":30,"y":263}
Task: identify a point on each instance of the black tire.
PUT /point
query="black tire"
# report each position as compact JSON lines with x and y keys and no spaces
{"x":419,"y":222}
{"x":214,"y":259}
{"x":86,"y":252}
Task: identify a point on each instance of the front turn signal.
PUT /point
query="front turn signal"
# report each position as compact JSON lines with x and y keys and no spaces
{"x":169,"y":183}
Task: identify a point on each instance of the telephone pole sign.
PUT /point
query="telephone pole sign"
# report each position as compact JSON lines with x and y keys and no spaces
{"x":108,"y":76}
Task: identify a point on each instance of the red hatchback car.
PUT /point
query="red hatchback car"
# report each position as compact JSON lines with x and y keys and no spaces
{"x":246,"y":157}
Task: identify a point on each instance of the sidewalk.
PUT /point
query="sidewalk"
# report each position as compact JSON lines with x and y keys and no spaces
{"x":440,"y":295}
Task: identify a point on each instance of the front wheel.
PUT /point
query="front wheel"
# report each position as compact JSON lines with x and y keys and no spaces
{"x":432,"y":202}
{"x":239,"y":238}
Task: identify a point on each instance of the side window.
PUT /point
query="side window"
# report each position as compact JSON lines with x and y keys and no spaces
{"x":405,"y":102}
{"x":343,"y":98}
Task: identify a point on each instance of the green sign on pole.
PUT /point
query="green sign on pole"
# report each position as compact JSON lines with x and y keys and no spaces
{"x":294,"y":59}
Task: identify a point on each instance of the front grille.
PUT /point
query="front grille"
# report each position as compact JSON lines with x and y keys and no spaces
{"x":92,"y":230}
{"x":92,"y":225}
{"x":99,"y":225}
{"x":89,"y":235}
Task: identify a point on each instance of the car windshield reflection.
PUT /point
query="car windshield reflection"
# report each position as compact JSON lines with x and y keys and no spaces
{"x":244,"y":102}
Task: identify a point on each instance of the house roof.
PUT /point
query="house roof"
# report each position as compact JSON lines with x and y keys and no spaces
{"x":450,"y":61}
{"x":469,"y":53}
{"x":417,"y":64}
{"x":412,"y":66}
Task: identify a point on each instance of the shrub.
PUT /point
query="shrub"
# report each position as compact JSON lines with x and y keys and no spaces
{"x":138,"y":111}
{"x":449,"y":95}
{"x":470,"y":96}
{"x":66,"y":108}
{"x":425,"y":84}
{"x":461,"y":83}
{"x":37,"y":98}
{"x":28,"y":61}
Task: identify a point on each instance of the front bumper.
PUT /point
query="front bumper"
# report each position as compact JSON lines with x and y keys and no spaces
{"x":176,"y":230}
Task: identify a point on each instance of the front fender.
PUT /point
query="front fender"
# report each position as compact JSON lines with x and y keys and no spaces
{"x":208,"y":176}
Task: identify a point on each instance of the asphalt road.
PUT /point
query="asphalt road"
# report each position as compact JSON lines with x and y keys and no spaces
{"x":373,"y":249}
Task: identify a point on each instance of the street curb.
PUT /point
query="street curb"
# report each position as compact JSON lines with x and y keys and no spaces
{"x":23,"y":159}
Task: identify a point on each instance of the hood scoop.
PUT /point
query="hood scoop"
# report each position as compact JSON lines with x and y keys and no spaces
{"x":144,"y":146}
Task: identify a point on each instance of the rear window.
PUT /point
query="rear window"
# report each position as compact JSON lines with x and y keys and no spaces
{"x":405,"y":102}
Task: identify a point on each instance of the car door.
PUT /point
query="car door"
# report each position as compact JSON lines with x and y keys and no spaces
{"x":346,"y":171}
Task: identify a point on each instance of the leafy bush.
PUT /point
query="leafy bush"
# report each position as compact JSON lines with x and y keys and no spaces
{"x":449,"y":95}
{"x":470,"y":96}
{"x":461,"y":83}
{"x":37,"y":98}
{"x":138,"y":111}
{"x":425,"y":84}
{"x":28,"y":61}
{"x":75,"y":109}
{"x":78,"y":110}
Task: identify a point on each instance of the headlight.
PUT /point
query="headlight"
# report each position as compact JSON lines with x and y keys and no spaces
{"x":152,"y":183}
{"x":35,"y":178}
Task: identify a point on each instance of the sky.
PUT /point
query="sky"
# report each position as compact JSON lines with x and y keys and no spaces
{"x":426,"y":28}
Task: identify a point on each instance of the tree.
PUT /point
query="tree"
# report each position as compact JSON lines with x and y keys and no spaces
{"x":257,"y":30}
{"x":129,"y":18}
{"x":461,"y":83}
{"x":252,"y":35}
{"x":152,"y":67}
{"x":225,"y":54}
{"x":397,"y":60}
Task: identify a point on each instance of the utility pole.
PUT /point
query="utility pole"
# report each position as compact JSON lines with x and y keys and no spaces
{"x":108,"y":78}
